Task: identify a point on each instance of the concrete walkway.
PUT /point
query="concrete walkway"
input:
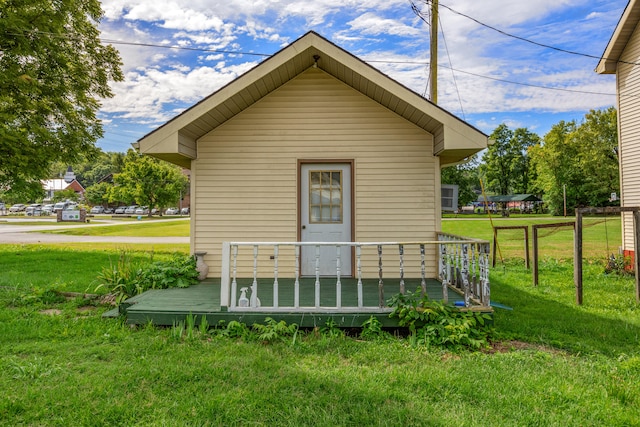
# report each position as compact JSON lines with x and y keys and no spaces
{"x":14,"y":231}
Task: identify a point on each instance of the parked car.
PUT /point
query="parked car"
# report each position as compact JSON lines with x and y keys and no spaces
{"x":18,"y":207}
{"x":131,"y":209}
{"x":97,"y":210}
{"x":142,"y":210}
{"x":60,"y":206}
{"x":72,"y":206}
{"x":155,"y":211}
{"x":172,"y":211}
{"x":34,"y":209}
{"x":108,"y":210}
{"x":47,"y":209}
{"x":120,"y":209}
{"x":184,"y":211}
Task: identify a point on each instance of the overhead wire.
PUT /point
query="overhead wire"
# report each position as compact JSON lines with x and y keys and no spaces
{"x":453,"y":74}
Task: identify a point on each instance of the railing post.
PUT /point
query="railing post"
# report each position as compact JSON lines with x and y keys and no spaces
{"x":234,"y":283}
{"x":359,"y":264}
{"x":275,"y":275}
{"x":446,"y":258}
{"x":296,"y":284}
{"x":464,"y":273}
{"x":423,"y":281}
{"x":317,"y":284}
{"x":484,"y":275}
{"x":254,"y":286}
{"x":338,"y":283}
{"x":401,"y":251}
{"x":380,"y":282}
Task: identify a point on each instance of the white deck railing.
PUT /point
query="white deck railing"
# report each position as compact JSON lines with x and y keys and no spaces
{"x":462,"y":264}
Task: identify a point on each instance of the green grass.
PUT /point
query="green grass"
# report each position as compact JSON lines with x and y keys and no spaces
{"x":554,"y":363}
{"x":601,"y":236}
{"x":178,"y":228}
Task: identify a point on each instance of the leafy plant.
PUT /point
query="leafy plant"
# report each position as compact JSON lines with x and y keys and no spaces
{"x":331,"y":329}
{"x":372,"y":329}
{"x":121,"y":278}
{"x":273,"y":331}
{"x":179,"y":272}
{"x":127,"y":278}
{"x":620,"y":265}
{"x":236,"y":329}
{"x":434,"y":323}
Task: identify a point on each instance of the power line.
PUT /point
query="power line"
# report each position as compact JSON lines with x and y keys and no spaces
{"x":546,"y":46}
{"x":266,"y":55}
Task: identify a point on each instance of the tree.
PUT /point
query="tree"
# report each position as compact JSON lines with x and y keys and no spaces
{"x":465,"y":176}
{"x":53,"y":70}
{"x":148,"y":181}
{"x":579,"y":159}
{"x":64,"y":195}
{"x":98,"y":193}
{"x":506,"y":165}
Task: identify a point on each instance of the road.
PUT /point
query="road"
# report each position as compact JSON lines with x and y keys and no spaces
{"x":14,"y":231}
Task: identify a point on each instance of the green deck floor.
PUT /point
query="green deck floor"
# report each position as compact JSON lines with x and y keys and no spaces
{"x":168,"y":306}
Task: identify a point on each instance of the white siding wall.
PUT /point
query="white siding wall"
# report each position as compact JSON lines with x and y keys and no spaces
{"x":628,"y":80}
{"x":247,"y":170}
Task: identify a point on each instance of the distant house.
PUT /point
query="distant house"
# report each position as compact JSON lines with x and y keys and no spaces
{"x":52,"y":186}
{"x":313,"y":145}
{"x":622,"y":58}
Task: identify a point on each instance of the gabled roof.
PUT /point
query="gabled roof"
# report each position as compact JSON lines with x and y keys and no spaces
{"x":621,"y":35}
{"x":176,"y":140}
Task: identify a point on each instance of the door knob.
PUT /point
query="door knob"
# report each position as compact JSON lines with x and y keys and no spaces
{"x":304,"y":227}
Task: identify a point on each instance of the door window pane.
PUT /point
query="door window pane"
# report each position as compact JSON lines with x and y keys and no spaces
{"x":325,"y":196}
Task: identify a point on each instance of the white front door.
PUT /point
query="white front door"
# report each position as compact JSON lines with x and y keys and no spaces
{"x":325,"y":216}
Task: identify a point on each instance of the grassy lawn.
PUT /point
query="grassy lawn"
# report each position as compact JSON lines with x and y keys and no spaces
{"x":552,"y":362}
{"x":144,"y":228}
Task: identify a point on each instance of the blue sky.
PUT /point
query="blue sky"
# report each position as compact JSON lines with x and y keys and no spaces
{"x":177,"y":52}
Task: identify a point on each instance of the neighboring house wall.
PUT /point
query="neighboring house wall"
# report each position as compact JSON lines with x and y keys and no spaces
{"x":245,"y":179}
{"x":628,"y":86}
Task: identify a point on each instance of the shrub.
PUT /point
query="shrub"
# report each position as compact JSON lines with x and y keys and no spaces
{"x":127,"y":278}
{"x":434,"y":323}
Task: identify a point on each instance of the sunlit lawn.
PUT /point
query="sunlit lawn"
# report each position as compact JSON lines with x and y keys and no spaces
{"x":554,"y":363}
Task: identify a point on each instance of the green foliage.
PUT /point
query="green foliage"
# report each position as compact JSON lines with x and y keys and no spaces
{"x":63,"y":195}
{"x":98,"y":194}
{"x":178,"y":272}
{"x":331,"y":330}
{"x":434,"y":323}
{"x":148,"y":181}
{"x":372,"y":330}
{"x":465,"y":176}
{"x":53,"y":71}
{"x":620,"y":265}
{"x":583,"y":159}
{"x":507,"y":162}
{"x":127,"y":278}
{"x":273,"y":331}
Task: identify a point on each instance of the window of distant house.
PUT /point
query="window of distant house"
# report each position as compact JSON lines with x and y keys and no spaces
{"x":325,"y":196}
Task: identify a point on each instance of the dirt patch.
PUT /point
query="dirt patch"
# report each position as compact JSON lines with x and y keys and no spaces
{"x":86,"y":309}
{"x":51,"y":312}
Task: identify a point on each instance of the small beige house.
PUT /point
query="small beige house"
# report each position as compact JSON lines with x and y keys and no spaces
{"x":622,"y":58}
{"x":313,"y":145}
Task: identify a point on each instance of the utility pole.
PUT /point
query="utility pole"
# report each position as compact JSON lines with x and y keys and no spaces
{"x":433,"y":65}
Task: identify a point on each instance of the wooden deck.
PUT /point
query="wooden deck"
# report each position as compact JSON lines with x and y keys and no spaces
{"x":169,"y":306}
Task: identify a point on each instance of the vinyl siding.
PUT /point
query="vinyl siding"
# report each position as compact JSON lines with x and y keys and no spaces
{"x":628,"y":80}
{"x":247,"y":173}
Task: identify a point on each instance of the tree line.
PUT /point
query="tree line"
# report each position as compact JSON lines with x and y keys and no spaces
{"x":114,"y":178}
{"x":576,"y":160}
